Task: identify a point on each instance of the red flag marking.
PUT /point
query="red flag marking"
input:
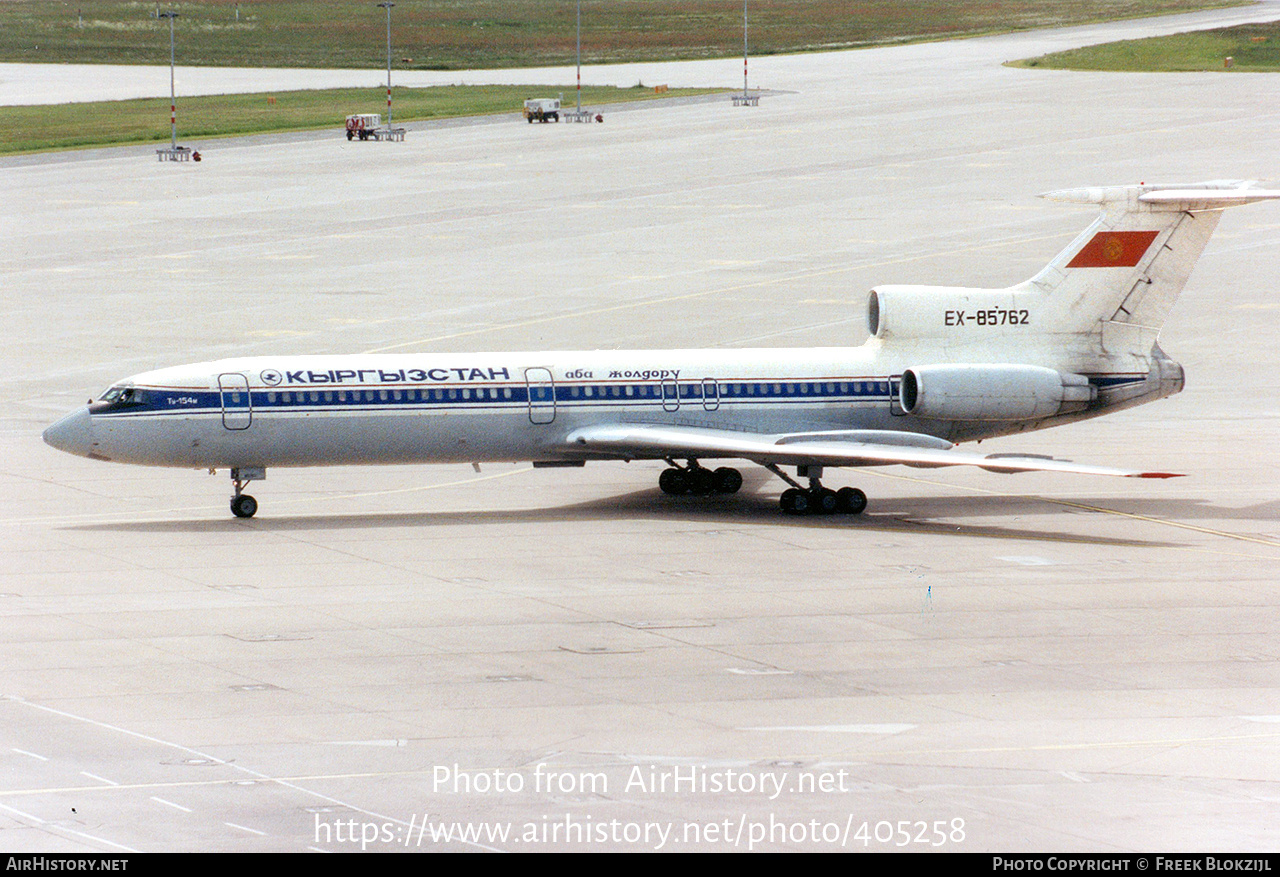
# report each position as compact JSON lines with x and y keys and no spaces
{"x":1114,"y":249}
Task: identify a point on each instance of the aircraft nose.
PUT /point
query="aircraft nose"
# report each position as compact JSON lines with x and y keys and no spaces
{"x":73,"y":433}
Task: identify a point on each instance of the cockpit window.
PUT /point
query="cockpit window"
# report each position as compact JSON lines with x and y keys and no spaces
{"x":117,"y":397}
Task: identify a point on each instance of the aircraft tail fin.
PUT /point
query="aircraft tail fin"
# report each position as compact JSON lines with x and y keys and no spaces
{"x":1121,"y":276}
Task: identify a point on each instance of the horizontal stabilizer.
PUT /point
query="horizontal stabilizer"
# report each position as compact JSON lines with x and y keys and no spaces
{"x":1195,"y":196}
{"x":1199,"y":199}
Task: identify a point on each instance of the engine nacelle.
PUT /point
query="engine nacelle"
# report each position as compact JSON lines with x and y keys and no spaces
{"x":992,"y":392}
{"x":951,"y":312}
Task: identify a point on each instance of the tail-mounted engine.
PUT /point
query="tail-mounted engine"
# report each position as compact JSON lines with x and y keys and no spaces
{"x":957,"y":314}
{"x":992,"y":392}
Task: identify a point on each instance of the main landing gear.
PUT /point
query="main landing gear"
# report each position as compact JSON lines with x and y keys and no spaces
{"x":816,"y":499}
{"x":698,"y":481}
{"x":242,"y":504}
{"x":796,"y":500}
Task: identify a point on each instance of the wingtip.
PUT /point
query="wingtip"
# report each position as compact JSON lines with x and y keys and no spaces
{"x":1159,"y":475}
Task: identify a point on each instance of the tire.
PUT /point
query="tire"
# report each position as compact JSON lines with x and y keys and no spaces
{"x":702,"y":482}
{"x":794,"y":501}
{"x":728,"y":480}
{"x":244,"y":506}
{"x":852,"y":500}
{"x":673,"y":482}
{"x":825,"y":501}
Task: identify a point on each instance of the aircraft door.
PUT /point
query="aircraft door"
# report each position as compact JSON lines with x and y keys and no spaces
{"x":670,"y":395}
{"x":237,"y":406}
{"x":710,"y":394}
{"x":542,"y":395}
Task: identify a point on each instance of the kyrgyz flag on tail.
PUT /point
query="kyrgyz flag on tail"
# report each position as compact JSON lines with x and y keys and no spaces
{"x":1114,"y":249}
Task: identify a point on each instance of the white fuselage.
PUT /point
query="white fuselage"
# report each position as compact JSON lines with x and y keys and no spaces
{"x":335,"y":410}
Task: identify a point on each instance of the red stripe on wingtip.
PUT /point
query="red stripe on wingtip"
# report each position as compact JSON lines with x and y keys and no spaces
{"x":1160,"y":475}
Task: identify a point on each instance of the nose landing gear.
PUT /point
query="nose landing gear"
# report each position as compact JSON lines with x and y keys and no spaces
{"x":242,"y":504}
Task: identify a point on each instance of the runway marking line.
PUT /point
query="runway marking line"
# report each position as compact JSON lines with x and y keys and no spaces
{"x":285,"y":782}
{"x":879,"y":756}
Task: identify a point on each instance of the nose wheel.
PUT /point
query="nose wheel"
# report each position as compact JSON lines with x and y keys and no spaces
{"x":242,"y":504}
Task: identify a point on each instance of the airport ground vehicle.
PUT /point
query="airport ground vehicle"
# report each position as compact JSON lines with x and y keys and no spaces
{"x":368,"y":126}
{"x":542,"y":109}
{"x":361,"y":125}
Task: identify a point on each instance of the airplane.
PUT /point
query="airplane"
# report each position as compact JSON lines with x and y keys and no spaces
{"x":942,"y":365}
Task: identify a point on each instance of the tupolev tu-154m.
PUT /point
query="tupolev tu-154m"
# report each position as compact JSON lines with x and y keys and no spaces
{"x":942,"y":365}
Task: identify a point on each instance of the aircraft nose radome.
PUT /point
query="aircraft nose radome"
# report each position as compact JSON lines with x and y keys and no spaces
{"x":73,"y":433}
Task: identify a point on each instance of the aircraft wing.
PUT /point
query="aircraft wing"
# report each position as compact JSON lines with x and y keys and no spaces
{"x":853,"y":448}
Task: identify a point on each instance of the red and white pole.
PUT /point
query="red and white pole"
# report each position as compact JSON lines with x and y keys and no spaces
{"x":387,"y":6}
{"x":173,"y":94}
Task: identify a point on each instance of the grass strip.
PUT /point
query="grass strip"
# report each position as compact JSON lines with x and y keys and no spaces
{"x":110,"y":123}
{"x":474,"y":34}
{"x":1251,"y":48}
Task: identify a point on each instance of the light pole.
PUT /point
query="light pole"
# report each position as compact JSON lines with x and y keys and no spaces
{"x":387,"y":6}
{"x":173,"y":100}
{"x":745,"y":99}
{"x":580,"y":55}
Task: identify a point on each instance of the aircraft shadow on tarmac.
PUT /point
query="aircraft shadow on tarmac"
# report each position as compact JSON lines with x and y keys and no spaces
{"x":928,"y":515}
{"x":1181,"y":509}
